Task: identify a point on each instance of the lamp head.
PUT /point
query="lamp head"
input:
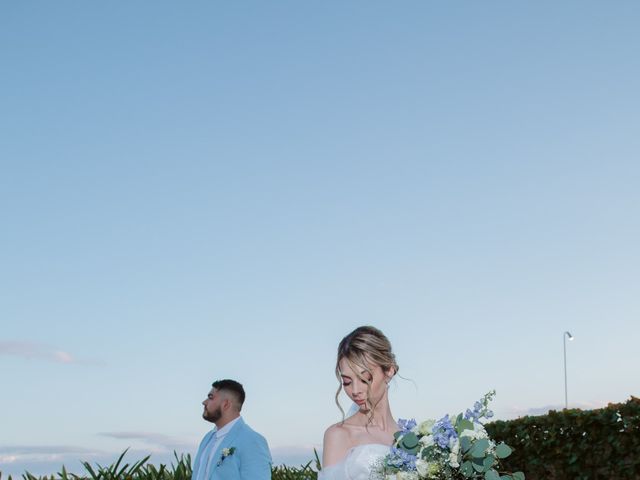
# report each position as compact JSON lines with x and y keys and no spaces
{"x":569,"y":336}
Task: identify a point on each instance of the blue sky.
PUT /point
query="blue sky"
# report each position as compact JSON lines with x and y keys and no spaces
{"x":225,"y":189}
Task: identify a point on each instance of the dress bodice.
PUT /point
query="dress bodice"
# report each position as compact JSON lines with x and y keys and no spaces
{"x":358,"y":463}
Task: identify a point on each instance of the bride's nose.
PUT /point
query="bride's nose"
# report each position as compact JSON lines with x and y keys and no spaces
{"x":356,"y":388}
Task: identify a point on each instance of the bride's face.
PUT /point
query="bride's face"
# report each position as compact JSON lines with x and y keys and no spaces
{"x":365,"y":387}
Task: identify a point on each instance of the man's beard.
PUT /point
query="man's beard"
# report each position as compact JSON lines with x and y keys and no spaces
{"x":214,"y":416}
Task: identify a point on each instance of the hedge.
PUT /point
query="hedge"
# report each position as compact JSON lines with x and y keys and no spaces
{"x":602,"y":444}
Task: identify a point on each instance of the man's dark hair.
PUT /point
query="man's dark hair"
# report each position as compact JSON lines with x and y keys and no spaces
{"x":231,"y":386}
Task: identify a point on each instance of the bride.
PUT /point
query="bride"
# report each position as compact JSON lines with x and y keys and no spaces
{"x":364,"y":367}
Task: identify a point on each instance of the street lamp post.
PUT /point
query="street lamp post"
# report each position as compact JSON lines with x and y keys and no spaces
{"x":566,"y":335}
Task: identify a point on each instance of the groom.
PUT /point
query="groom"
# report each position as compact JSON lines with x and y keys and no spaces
{"x":231,"y":451}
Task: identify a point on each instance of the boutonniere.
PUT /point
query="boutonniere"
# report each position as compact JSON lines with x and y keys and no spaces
{"x":226,"y":452}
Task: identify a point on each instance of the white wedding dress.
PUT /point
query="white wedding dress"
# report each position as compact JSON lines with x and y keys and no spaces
{"x":357,"y":465}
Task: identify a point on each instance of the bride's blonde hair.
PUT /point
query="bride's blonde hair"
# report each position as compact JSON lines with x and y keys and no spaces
{"x":363,"y":347}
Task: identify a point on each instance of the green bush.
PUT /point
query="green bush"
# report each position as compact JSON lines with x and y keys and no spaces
{"x":602,"y":444}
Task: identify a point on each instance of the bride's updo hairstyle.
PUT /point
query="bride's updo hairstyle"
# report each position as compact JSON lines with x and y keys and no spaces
{"x":364,"y":348}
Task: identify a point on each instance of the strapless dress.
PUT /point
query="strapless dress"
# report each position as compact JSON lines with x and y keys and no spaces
{"x":357,"y":465}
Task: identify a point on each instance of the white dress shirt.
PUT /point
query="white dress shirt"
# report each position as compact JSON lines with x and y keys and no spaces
{"x":220,"y":434}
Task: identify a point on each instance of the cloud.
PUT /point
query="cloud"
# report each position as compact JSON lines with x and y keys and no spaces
{"x":48,"y":460}
{"x":515,"y":411}
{"x":293,"y":455}
{"x":165,"y":442}
{"x":38,"y":351}
{"x":41,"y":449}
{"x":16,"y":459}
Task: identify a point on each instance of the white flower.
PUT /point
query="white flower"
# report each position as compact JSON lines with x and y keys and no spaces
{"x":469,"y":433}
{"x":453,"y":460}
{"x":427,"y":440}
{"x":480,"y":431}
{"x":454,"y":445}
{"x":226,"y":452}
{"x":425,"y":427}
{"x":477,"y":432}
{"x":426,"y":469}
{"x":422,"y":467}
{"x":407,"y":476}
{"x":492,"y":447}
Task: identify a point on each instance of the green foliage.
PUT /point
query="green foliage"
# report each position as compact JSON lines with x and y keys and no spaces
{"x":503,"y":451}
{"x":181,"y":470}
{"x":303,"y":473}
{"x":480,"y":448}
{"x":139,"y":470}
{"x":465,"y":444}
{"x":491,"y":475}
{"x":573,"y":444}
{"x":283,"y":472}
{"x":409,"y":443}
{"x":466,"y":469}
{"x":462,"y":425}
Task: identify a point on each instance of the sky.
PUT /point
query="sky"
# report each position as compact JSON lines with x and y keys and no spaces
{"x":205,"y":190}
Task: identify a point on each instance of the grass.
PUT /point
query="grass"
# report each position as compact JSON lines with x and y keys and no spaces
{"x":180,"y":470}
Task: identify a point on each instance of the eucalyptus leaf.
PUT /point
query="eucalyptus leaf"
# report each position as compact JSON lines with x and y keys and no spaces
{"x":462,"y":425}
{"x":479,"y":448}
{"x":465,"y":444}
{"x":503,"y":450}
{"x":488,"y":462}
{"x":491,"y":475}
{"x":466,"y":469}
{"x":518,"y":476}
{"x":410,"y":441}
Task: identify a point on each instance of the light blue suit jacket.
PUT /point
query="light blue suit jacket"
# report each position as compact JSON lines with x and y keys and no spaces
{"x":251,"y":459}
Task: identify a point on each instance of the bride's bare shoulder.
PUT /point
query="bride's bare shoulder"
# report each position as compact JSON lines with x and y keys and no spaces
{"x":336,"y":444}
{"x":338,"y":433}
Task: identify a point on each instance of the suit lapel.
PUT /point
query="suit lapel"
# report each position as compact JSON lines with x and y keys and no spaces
{"x":227,"y":442}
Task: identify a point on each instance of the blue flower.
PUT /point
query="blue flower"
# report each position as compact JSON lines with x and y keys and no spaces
{"x":479,"y":410}
{"x":443,"y":431}
{"x":406,"y":425}
{"x":471,"y":415}
{"x":401,"y":459}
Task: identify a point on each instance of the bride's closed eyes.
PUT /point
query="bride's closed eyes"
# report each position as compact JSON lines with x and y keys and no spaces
{"x":366,"y":378}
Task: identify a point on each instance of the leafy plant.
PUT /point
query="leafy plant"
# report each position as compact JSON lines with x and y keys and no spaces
{"x":180,"y":470}
{"x":574,"y":444}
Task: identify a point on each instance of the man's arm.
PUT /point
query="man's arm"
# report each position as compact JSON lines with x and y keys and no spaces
{"x":256,"y":459}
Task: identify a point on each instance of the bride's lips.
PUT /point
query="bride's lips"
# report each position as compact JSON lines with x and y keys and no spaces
{"x":360,"y":402}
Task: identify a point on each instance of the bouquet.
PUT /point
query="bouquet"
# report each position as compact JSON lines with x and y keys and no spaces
{"x":452,"y":448}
